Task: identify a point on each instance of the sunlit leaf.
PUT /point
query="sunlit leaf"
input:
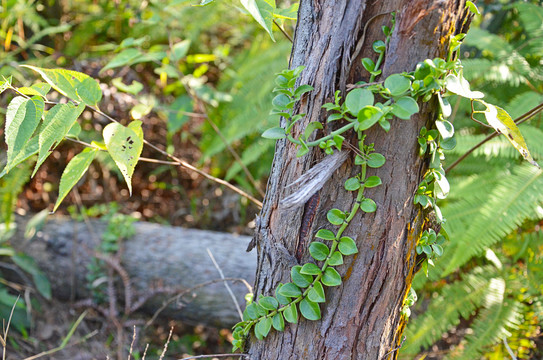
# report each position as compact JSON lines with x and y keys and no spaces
{"x":262,"y":11}
{"x":460,"y":86}
{"x":63,"y":81}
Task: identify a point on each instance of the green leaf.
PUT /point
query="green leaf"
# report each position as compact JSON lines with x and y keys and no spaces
{"x":58,"y":122}
{"x":358,"y":98}
{"x":123,"y":58}
{"x":310,"y":310}
{"x":300,"y":90}
{"x":325,"y":234}
{"x":336,"y":259}
{"x":40,"y":89}
{"x":335,"y":216}
{"x":347,"y":246}
{"x":460,"y":86}
{"x":73,"y":172}
{"x":262,"y":11}
{"x":89,"y":91}
{"x":404,"y":107}
{"x":22,"y":118}
{"x":42,"y":284}
{"x":268,"y":303}
{"x":368,"y":205}
{"x":352,"y":184}
{"x":372,"y":181}
{"x":301,"y":280}
{"x":278,"y":322}
{"x":310,"y":269}
{"x":179,"y":50}
{"x":312,"y":126}
{"x":316,"y":293}
{"x":124,"y":144}
{"x":274,"y":133}
{"x":368,"y":64}
{"x":290,"y":13}
{"x":262,"y":328}
{"x":368,"y":116}
{"x":177,"y":116}
{"x":290,"y":290}
{"x":251,"y":311}
{"x":291,"y":314}
{"x":280,"y":298}
{"x":472,"y":7}
{"x":5,"y":84}
{"x":318,"y":250}
{"x":397,"y":84}
{"x":63,"y":81}
{"x":281,"y":101}
{"x":446,"y":129}
{"x":134,"y":88}
{"x":502,"y":122}
{"x":375,"y":160}
{"x":331,"y":277}
{"x":29,"y":265}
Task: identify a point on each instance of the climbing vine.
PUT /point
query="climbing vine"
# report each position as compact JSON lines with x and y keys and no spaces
{"x":366,"y":105}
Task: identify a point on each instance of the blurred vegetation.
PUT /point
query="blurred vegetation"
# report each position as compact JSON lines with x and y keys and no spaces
{"x":184,"y":70}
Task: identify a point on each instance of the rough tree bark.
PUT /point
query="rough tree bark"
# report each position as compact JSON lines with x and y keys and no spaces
{"x":361,"y":318}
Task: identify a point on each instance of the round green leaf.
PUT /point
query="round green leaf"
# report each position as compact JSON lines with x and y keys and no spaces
{"x":268,"y":303}
{"x":331,"y":277}
{"x":352,"y":184}
{"x":367,"y":117}
{"x":318,"y":251}
{"x":372,"y":181}
{"x":335,"y":259}
{"x":290,"y":290}
{"x":397,"y":84}
{"x":310,"y":269}
{"x":368,"y":205}
{"x":358,"y":98}
{"x":335,"y":216}
{"x":291,"y":314}
{"x":278,"y":322}
{"x":310,"y":310}
{"x":262,"y":328}
{"x":316,"y":293}
{"x":251,"y":311}
{"x":376,"y":160}
{"x":325,"y":234}
{"x":301,"y":280}
{"x":347,"y":246}
{"x":404,"y":107}
{"x":281,"y":101}
{"x":280,"y":298}
{"x":274,"y":133}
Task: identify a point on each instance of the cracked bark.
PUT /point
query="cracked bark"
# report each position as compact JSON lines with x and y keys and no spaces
{"x":361,"y":318}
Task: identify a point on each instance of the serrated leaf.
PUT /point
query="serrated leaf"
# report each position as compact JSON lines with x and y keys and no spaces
{"x":325,"y":234}
{"x":397,"y":84}
{"x":331,"y":277}
{"x":404,"y":107}
{"x":262,"y":11}
{"x":301,"y":280}
{"x":123,"y":58}
{"x":73,"y":172}
{"x":318,"y":250}
{"x":376,"y":160}
{"x":310,"y":269}
{"x":290,"y":290}
{"x":368,"y":205}
{"x":124,"y":144}
{"x":274,"y":133}
{"x":268,"y":303}
{"x":5,"y":84}
{"x":262,"y":328}
{"x":278,"y":322}
{"x":460,"y":86}
{"x":335,"y":259}
{"x":89,"y":91}
{"x":335,"y":216}
{"x":58,"y":122}
{"x":63,"y":81}
{"x":347,"y":246}
{"x":500,"y":120}
{"x":316,"y":294}
{"x":357,"y":99}
{"x":30,"y":149}
{"x":22,"y":119}
{"x":310,"y":310}
{"x":291,"y":314}
{"x":40,"y":89}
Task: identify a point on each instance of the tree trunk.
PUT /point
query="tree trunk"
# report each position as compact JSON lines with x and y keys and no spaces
{"x":361,"y":318}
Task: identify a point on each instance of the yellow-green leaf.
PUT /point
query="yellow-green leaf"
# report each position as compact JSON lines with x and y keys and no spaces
{"x":262,"y":11}
{"x":500,"y":120}
{"x":73,"y":172}
{"x":89,"y":91}
{"x":63,"y":81}
{"x":124,"y":144}
{"x":40,"y":89}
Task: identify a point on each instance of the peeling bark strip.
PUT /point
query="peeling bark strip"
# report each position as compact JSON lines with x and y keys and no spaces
{"x":361,"y":318}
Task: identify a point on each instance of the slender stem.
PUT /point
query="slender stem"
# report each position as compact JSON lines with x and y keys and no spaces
{"x":283,"y":31}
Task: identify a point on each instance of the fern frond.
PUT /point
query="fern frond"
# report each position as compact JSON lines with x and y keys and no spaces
{"x":516,"y":198}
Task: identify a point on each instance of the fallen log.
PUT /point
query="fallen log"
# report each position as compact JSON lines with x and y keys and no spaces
{"x":156,"y":257}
